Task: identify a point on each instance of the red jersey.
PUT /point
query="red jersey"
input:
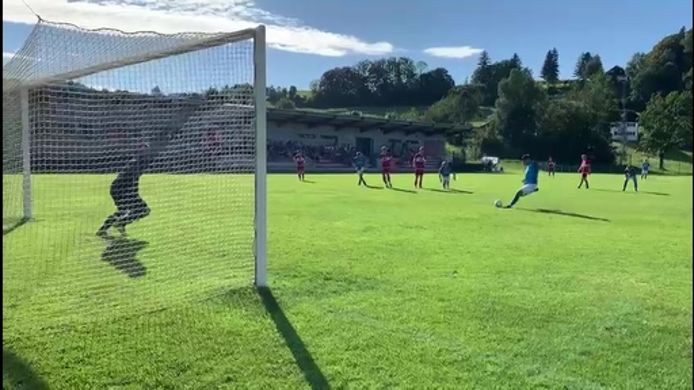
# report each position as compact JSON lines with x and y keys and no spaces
{"x":300,"y":160}
{"x":419,"y":161}
{"x":584,"y":168}
{"x":386,"y":161}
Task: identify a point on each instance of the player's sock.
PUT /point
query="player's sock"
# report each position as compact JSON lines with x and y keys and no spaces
{"x":515,"y":199}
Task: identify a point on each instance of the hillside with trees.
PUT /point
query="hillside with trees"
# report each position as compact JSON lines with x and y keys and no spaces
{"x":513,"y":111}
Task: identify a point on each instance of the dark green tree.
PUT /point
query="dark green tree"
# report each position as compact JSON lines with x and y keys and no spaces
{"x":550,"y":68}
{"x":580,"y":70}
{"x":517,"y":108}
{"x":666,"y":123}
{"x":593,"y":67}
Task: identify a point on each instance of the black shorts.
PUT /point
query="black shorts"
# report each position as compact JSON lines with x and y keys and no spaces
{"x":127,"y":198}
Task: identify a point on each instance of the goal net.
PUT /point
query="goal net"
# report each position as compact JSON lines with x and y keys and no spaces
{"x":133,"y":171}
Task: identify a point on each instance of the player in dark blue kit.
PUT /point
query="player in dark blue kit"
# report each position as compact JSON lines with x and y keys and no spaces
{"x":630,"y":175}
{"x":125,"y":189}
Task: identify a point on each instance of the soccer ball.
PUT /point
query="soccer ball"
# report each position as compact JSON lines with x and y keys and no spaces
{"x":498,"y":203}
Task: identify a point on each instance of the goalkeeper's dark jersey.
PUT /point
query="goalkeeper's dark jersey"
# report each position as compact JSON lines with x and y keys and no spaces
{"x":129,"y":178}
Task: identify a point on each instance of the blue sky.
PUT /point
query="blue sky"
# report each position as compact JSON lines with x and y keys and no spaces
{"x":307,"y":37}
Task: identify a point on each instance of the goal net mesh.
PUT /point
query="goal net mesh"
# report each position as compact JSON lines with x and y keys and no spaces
{"x":102,"y":103}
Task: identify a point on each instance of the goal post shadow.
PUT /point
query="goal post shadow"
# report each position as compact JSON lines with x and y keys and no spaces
{"x":13,"y":225}
{"x":312,"y":373}
{"x":19,"y":374}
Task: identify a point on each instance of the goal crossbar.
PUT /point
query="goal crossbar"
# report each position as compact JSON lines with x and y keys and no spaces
{"x":216,"y":40}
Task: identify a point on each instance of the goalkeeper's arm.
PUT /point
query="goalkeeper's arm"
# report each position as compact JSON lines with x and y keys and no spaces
{"x":176,"y":123}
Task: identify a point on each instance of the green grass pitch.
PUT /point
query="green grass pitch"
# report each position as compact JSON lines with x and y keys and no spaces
{"x":370,"y":288}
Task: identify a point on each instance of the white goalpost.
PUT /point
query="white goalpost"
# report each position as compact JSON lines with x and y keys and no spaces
{"x":134,"y":170}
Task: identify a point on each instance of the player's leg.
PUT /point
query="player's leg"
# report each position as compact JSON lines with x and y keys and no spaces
{"x":524,"y":191}
{"x":636,"y":185}
{"x":516,"y":197}
{"x":119,"y":200}
{"x":140,"y":208}
{"x":108,"y":223}
{"x":128,"y":208}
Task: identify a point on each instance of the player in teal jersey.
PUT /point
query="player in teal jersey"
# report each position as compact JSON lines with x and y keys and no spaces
{"x":445,"y":173}
{"x":359,"y":162}
{"x":529,"y":180}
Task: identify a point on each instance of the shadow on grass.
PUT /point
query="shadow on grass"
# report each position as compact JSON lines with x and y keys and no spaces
{"x":403,"y":190}
{"x":308,"y":181}
{"x":121,"y":253}
{"x":638,"y":192}
{"x":566,"y":214}
{"x":373,"y":187}
{"x":13,"y":224}
{"x":314,"y":376}
{"x":18,"y":374}
{"x":449,"y":191}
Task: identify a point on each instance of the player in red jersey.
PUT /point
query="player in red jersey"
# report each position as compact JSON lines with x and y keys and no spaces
{"x":550,"y":167}
{"x":584,"y":169}
{"x":300,"y":162}
{"x":386,"y":166}
{"x":419,"y":161}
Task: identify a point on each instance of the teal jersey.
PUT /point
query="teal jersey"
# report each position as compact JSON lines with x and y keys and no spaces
{"x":531,"y":172}
{"x":359,"y":161}
{"x":445,"y":170}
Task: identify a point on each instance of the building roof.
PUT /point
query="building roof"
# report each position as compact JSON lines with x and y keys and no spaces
{"x":363,"y":123}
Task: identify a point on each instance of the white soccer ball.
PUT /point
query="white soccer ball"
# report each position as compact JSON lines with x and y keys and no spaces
{"x":498,"y":203}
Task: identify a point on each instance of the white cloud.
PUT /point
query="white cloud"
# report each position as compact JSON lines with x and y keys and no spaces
{"x":453,"y":51}
{"x":6,"y":57}
{"x":171,"y":16}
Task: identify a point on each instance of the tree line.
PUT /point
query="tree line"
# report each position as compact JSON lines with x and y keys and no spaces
{"x":395,"y":81}
{"x":547,"y":117}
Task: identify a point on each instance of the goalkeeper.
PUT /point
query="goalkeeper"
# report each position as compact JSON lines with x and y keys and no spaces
{"x":125,"y":190}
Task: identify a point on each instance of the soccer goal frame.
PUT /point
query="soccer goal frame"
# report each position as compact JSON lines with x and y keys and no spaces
{"x":259,"y":90}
